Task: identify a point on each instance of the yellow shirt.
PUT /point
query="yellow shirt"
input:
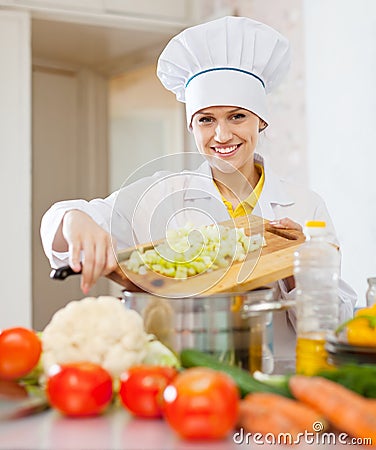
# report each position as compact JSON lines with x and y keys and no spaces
{"x":247,"y":205}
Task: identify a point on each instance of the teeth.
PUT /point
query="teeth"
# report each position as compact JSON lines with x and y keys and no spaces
{"x":225,"y":150}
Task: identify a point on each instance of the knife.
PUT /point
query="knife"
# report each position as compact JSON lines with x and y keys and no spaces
{"x":64,"y":272}
{"x":15,"y":409}
{"x":18,"y":401}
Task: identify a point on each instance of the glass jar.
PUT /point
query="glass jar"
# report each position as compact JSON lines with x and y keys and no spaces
{"x":371,"y":291}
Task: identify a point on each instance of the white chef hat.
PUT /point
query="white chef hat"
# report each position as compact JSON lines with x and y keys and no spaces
{"x":232,"y":61}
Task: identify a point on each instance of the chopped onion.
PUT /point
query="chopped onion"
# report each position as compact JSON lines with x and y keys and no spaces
{"x":189,"y":250}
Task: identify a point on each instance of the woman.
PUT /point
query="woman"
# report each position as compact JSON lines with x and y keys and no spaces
{"x":222,"y":71}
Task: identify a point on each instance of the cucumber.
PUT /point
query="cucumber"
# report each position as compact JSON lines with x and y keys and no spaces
{"x":244,"y":380}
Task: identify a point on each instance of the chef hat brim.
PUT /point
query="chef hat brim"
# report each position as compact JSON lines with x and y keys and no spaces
{"x":226,"y":87}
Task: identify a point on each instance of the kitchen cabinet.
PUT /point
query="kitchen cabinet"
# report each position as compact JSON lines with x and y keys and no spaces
{"x":145,"y":14}
{"x":166,"y":9}
{"x":181,"y":12}
{"x":84,"y":5}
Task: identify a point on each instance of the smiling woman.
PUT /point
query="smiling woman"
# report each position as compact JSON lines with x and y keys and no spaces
{"x":228,"y":136}
{"x":222,"y":70}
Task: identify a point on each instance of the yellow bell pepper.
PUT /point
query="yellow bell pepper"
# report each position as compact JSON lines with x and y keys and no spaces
{"x":370,"y":311}
{"x":361,"y":330}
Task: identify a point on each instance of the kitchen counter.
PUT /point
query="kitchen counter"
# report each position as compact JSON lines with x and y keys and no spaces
{"x":115,"y":430}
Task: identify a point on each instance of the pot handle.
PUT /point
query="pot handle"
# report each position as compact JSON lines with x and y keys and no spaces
{"x":250,"y":309}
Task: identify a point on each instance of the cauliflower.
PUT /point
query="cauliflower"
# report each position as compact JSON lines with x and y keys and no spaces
{"x":158,"y":354}
{"x":100,"y":330}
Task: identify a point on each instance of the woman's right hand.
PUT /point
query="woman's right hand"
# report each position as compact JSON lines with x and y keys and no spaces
{"x":83,"y":235}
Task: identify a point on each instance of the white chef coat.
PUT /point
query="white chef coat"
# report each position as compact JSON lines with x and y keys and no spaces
{"x":142,"y":211}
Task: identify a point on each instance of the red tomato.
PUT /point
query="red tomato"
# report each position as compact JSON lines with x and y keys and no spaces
{"x":20,"y":350}
{"x":141,"y":389}
{"x":201,"y":403}
{"x":79,"y":389}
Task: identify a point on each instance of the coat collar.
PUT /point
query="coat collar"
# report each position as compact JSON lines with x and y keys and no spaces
{"x":274,"y":190}
{"x":200,"y":185}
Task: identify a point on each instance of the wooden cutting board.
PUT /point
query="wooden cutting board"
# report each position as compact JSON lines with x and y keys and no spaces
{"x":271,"y":263}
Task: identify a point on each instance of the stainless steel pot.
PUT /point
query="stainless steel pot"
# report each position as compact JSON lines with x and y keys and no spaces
{"x":231,"y":326}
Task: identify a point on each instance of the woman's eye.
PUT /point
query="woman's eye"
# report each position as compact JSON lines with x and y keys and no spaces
{"x":238,"y":116}
{"x":205,"y":119}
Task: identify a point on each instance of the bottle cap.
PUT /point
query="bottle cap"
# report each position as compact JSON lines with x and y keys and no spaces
{"x":315,"y":224}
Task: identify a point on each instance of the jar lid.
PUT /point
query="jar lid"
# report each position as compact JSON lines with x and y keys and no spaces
{"x":315,"y":224}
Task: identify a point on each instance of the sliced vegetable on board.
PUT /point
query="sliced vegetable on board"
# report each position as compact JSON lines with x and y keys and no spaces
{"x":191,"y":250}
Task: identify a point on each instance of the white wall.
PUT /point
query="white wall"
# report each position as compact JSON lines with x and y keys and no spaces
{"x":284,"y":141}
{"x":15,"y":172}
{"x":340,"y":38}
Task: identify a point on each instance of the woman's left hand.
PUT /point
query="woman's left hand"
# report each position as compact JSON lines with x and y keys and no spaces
{"x":285,"y":224}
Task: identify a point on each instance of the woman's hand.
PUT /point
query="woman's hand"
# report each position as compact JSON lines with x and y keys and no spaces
{"x":83,"y":234}
{"x":285,"y":224}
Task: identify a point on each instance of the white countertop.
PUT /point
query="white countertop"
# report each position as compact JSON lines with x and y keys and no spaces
{"x":114,"y":430}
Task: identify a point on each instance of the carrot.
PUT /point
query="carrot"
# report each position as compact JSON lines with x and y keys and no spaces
{"x":346,"y":410}
{"x":271,"y":413}
{"x":372,"y":404}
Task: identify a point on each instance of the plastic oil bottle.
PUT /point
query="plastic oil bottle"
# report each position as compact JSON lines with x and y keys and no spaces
{"x":316,"y":271}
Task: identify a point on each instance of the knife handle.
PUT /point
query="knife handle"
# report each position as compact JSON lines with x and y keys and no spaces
{"x":63,"y":272}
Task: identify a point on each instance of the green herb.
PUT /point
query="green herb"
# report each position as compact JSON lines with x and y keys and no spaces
{"x":360,"y":379}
